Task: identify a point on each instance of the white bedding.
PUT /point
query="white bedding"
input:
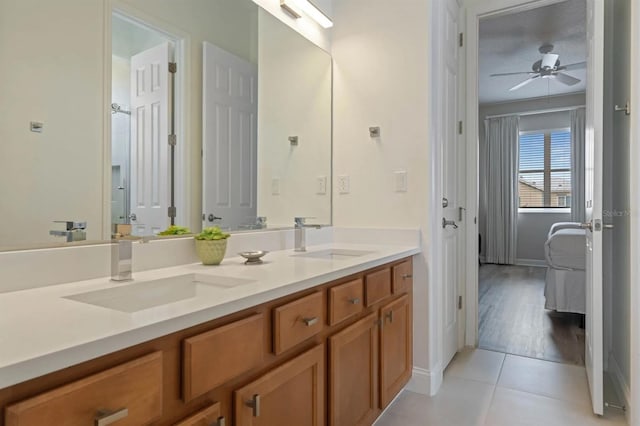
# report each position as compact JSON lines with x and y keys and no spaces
{"x":566,"y":249}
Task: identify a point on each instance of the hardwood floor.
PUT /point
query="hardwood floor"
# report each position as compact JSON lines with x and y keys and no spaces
{"x":512,"y":318}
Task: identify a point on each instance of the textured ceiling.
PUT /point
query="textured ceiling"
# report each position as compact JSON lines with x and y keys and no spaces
{"x":510,"y":42}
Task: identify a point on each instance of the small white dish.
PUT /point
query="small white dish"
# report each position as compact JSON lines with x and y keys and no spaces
{"x":253,"y":257}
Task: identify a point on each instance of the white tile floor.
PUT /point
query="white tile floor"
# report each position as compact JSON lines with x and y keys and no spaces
{"x":484,"y":388}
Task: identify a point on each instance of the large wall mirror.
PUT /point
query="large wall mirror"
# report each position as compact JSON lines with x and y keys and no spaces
{"x":250,"y":105}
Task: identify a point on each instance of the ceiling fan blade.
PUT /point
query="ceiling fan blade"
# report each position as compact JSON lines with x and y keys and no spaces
{"x":549,"y":60}
{"x":524,"y":83}
{"x":566,"y":79}
{"x":576,"y":66}
{"x":511,"y":73}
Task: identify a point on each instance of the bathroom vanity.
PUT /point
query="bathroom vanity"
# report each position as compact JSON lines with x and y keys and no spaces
{"x":323,"y":337}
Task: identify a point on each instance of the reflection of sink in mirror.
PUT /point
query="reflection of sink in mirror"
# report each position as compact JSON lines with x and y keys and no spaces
{"x":334,"y":254}
{"x":149,"y":294}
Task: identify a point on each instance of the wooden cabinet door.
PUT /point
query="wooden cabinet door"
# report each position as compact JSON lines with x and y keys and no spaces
{"x":209,"y":416}
{"x":396,"y":348}
{"x":353,"y":374}
{"x":292,"y":394}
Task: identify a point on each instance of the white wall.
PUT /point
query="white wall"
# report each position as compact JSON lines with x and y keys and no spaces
{"x":534,"y":226}
{"x":381,"y":78}
{"x":52,"y":71}
{"x":294,"y":99}
{"x":617,"y":285}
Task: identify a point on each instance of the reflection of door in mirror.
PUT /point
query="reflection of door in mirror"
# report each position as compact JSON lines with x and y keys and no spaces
{"x":230,"y":114}
{"x":140,"y":126}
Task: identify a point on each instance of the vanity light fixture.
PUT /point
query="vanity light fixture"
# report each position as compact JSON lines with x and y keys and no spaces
{"x":294,"y":8}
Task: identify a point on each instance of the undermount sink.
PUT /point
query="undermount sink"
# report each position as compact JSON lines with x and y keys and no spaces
{"x":334,"y":254}
{"x":149,"y":294}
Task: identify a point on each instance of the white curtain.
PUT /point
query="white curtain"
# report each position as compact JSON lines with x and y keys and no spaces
{"x":577,"y":165}
{"x":499,"y":189}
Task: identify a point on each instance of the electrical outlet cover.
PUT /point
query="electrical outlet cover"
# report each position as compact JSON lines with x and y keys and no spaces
{"x":275,"y":186}
{"x":344,"y":186}
{"x":321,"y":185}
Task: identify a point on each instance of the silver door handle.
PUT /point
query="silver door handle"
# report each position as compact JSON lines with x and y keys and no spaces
{"x":446,"y":223}
{"x":133,"y":217}
{"x":104,"y":417}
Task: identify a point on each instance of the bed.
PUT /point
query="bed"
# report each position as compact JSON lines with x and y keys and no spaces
{"x":565,"y":252}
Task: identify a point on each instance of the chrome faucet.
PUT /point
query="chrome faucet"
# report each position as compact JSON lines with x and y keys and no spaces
{"x":122,"y":257}
{"x":75,"y":231}
{"x":121,"y":260}
{"x":300,"y":232}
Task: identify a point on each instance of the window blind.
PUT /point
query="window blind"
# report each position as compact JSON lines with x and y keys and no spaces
{"x":545,"y":169}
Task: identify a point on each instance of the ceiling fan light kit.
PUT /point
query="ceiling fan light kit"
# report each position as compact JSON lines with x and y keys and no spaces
{"x":549,"y":67}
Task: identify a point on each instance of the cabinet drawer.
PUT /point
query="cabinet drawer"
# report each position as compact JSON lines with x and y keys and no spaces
{"x":212,"y":358}
{"x":377,"y":286}
{"x":297,"y":321}
{"x":345,"y":300}
{"x":131,"y":392}
{"x":209,"y":416}
{"x":402,"y":277}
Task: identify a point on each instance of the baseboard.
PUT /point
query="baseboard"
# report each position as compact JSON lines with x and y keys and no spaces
{"x":531,"y":262}
{"x":621,"y":386}
{"x":425,"y":382}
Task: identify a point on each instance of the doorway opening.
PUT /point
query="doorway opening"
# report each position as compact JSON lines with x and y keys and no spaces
{"x":531,"y":279}
{"x":145,"y":114}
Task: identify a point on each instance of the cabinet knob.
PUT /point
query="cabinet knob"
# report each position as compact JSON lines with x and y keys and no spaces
{"x":310,"y":321}
{"x":406,"y":276}
{"x":107,"y":417}
{"x":220,"y":422}
{"x":389,"y":316}
{"x":354,"y":301}
{"x":255,"y":404}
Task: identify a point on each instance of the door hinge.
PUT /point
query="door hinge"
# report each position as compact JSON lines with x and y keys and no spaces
{"x":173,"y":67}
{"x":172,"y":211}
{"x":459,"y":127}
{"x":459,"y":302}
{"x":173,"y":140}
{"x":461,"y":39}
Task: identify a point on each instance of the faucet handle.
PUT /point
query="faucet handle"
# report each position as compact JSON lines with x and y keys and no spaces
{"x":301,"y":220}
{"x":72,"y":225}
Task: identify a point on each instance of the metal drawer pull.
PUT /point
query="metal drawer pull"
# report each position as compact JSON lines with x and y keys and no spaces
{"x":310,"y":321}
{"x":220,"y":422}
{"x":407,"y":276}
{"x":389,"y":316}
{"x":354,"y":301}
{"x":255,"y":404}
{"x":104,"y":417}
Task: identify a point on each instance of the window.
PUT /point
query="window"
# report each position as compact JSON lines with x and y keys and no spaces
{"x":544,"y":179}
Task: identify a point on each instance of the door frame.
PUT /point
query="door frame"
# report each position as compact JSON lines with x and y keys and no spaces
{"x":635,"y":215}
{"x":475,"y":12}
{"x":182,"y":55}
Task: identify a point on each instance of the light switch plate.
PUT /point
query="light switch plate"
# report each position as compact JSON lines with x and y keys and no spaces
{"x":275,"y":186}
{"x":344,"y":186}
{"x":321,"y":185}
{"x":400,"y":181}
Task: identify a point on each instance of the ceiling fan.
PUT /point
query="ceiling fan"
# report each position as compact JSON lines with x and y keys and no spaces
{"x":547,"y":67}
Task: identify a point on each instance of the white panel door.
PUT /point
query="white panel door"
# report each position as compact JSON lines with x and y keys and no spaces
{"x":451,"y":259}
{"x":594,"y":201}
{"x":230,"y":119}
{"x":149,"y":140}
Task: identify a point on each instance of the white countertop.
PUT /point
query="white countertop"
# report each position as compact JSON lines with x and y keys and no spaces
{"x":42,"y":332}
